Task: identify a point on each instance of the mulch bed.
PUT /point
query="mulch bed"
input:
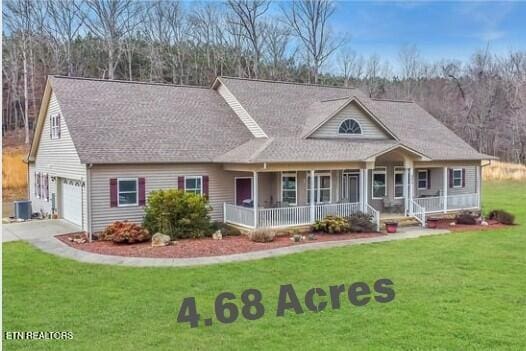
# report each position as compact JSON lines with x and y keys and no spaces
{"x":204,"y":247}
{"x":445,"y":224}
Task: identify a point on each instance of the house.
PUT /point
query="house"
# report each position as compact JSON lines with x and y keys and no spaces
{"x":267,"y":154}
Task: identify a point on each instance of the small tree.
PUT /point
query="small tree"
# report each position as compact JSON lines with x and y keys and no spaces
{"x":177,"y":214}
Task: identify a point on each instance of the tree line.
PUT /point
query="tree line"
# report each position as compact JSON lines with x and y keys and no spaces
{"x":483,"y":100}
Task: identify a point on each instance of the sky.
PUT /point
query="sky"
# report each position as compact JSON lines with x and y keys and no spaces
{"x":451,"y":30}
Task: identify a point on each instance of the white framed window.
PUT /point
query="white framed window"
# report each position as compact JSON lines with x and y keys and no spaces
{"x":322,"y":187}
{"x":289,"y":188}
{"x":127,"y":192}
{"x":350,"y":126}
{"x":398,"y":182}
{"x":193,"y":184}
{"x":55,"y":126}
{"x":422,"y":178}
{"x":379,"y":184}
{"x":457,"y":178}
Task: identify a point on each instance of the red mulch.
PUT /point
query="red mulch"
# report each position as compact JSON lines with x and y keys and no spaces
{"x":201,"y":247}
{"x":445,"y":224}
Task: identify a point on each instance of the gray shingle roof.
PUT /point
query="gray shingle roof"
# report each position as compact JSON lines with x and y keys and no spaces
{"x":288,"y":110}
{"x":128,"y":122}
{"x":132,"y":122}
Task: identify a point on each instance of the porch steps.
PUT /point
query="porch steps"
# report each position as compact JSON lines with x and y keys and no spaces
{"x":403,"y":221}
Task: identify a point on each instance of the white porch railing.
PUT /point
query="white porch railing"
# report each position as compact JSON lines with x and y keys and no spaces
{"x":343,"y":210}
{"x":454,"y":202}
{"x":243,"y":216}
{"x":286,"y":216}
{"x":376,"y":216}
{"x":418,"y":212}
{"x":461,"y":202}
{"x":283,"y":216}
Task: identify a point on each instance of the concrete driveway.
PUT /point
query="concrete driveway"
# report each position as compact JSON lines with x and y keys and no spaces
{"x":37,"y":229}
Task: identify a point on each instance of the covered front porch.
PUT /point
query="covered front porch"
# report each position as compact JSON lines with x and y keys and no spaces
{"x":288,"y":195}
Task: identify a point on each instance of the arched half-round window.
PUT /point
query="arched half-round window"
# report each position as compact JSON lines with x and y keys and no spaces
{"x":350,"y":126}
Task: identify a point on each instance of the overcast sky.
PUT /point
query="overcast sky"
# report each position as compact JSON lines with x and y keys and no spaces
{"x":452,"y":30}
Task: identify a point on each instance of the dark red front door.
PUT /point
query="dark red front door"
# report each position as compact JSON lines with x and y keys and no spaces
{"x":243,"y":190}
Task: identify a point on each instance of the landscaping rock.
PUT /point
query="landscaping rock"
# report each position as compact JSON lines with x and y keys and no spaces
{"x":217,"y":235}
{"x":312,"y":236}
{"x":297,"y":238}
{"x":160,"y":239}
{"x":452,"y":224}
{"x":484,"y":223}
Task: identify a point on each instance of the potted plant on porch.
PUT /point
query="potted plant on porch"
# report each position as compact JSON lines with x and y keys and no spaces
{"x":391,"y":227}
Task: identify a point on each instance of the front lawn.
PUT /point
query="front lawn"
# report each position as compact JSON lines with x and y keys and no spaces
{"x":463,"y":291}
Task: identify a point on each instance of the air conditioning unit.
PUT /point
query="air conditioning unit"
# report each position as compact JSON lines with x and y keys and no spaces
{"x":22,"y":209}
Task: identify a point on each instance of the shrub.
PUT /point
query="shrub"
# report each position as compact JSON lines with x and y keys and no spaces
{"x":361,"y":222}
{"x":466,"y":217}
{"x":332,"y":225}
{"x":502,"y":216}
{"x":125,"y":232}
{"x":178,"y":214}
{"x":262,"y":235}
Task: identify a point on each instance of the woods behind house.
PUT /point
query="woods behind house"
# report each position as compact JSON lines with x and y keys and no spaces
{"x":483,"y":100}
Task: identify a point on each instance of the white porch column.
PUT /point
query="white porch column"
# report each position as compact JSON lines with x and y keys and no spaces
{"x":360,"y":195}
{"x":411,"y":189}
{"x":255,"y":199}
{"x":406,"y":190}
{"x":479,"y":183}
{"x":312,"y":216}
{"x":445,"y":187}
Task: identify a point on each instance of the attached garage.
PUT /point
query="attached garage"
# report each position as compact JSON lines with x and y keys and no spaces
{"x":71,"y":200}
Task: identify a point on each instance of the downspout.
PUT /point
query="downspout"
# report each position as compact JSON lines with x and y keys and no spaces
{"x":88,"y":199}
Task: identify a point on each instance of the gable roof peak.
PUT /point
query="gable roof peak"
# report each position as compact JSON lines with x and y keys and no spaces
{"x":134,"y":82}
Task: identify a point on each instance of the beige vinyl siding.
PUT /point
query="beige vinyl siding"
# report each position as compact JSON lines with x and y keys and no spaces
{"x":437,"y":182}
{"x":370,"y":130}
{"x":160,"y":176}
{"x":58,"y":158}
{"x":243,"y":115}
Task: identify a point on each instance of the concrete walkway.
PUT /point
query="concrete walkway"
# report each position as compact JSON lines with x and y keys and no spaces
{"x":56,"y":247}
{"x":37,"y":229}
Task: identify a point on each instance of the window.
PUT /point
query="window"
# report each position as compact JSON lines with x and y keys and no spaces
{"x":55,"y":126}
{"x":350,"y":126}
{"x":127,"y":192}
{"x":379,"y":187}
{"x":422,"y":179}
{"x":193,"y":184}
{"x":398,"y":183}
{"x":288,"y":188}
{"x":322,"y":187}
{"x":457,"y":178}
{"x":38,"y":190}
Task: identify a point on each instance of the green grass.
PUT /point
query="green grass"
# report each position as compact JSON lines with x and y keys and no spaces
{"x":464,"y":291}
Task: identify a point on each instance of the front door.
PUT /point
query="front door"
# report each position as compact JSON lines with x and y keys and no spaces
{"x":243,"y":190}
{"x":351,"y":187}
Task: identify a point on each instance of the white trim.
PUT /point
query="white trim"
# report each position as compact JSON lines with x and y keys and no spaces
{"x":379,"y":170}
{"x":317,"y":186}
{"x":348,"y":134}
{"x":418,"y":171}
{"x":453,"y":178}
{"x":251,"y":188}
{"x":398,"y":170}
{"x":289,"y":174}
{"x":194,"y":177}
{"x":136,"y":192}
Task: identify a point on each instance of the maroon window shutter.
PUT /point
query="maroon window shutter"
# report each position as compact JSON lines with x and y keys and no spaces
{"x":113,"y":192}
{"x":180,"y":183}
{"x":35,"y":184}
{"x":142,"y":191}
{"x":46,"y":186}
{"x":58,"y":125}
{"x":51,"y":127}
{"x":450,"y":177}
{"x":205,"y":186}
{"x":429,"y":179}
{"x":463,"y":177}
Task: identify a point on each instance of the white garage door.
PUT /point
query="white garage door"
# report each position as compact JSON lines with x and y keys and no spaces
{"x":71,"y":201}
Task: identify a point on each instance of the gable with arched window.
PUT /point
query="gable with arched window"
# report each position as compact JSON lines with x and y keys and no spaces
{"x":350,"y":126}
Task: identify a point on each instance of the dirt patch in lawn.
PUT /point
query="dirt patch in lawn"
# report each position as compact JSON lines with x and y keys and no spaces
{"x":446,"y":224}
{"x":205,"y":247}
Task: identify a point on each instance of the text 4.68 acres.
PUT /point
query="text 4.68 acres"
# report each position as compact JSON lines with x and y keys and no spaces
{"x":315,"y":300}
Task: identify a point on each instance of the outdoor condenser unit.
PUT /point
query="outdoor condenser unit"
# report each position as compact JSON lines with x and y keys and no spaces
{"x":22,"y":209}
